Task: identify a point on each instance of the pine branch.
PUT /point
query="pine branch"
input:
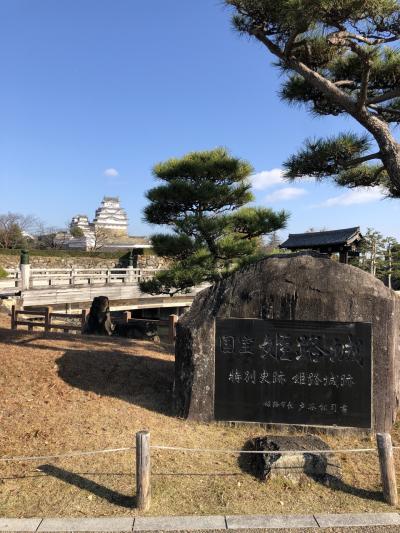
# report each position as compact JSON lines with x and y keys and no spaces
{"x":345,"y":83}
{"x":382,"y":110}
{"x":389,"y":95}
{"x":328,"y":157}
{"x":316,"y":79}
{"x":371,"y":40}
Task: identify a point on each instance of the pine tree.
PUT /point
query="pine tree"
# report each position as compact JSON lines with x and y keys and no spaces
{"x":395,"y":281}
{"x":202,"y":200}
{"x":273,"y":243}
{"x":380,"y":256}
{"x":338,"y":58}
{"x":372,"y":250}
{"x":391,"y":270}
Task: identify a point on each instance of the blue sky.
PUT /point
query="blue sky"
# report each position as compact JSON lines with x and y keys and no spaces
{"x":91,"y":85}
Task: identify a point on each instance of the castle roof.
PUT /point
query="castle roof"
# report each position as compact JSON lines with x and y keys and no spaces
{"x":323,"y":239}
{"x":111,"y":199}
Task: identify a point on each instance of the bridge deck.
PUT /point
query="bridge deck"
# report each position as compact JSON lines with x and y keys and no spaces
{"x":117,"y":294}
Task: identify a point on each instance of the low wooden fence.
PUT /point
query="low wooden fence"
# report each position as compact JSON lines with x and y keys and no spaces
{"x":44,"y":319}
{"x":143,"y":449}
{"x":170,"y":322}
{"x":143,"y":464}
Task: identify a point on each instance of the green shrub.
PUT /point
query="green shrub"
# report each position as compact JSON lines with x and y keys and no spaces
{"x":3,"y":273}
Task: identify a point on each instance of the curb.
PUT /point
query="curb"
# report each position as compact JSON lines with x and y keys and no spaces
{"x":193,"y":523}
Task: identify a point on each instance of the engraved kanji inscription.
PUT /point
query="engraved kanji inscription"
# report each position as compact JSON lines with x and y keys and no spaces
{"x":294,"y":372}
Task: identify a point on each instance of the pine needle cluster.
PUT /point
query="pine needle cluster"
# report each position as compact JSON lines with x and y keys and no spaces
{"x":202,"y":200}
{"x":338,"y":57}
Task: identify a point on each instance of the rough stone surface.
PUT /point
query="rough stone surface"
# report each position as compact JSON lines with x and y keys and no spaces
{"x":152,"y":261}
{"x":142,"y":261}
{"x":303,"y":286}
{"x":98,"y":321}
{"x":12,"y":261}
{"x":322,"y":466}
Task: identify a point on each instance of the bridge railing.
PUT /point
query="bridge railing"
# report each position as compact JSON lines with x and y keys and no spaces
{"x":76,"y":277}
{"x":87,"y":276}
{"x":12,"y":280}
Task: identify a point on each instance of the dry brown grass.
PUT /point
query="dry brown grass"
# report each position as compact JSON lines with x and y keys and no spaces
{"x":63,"y":393}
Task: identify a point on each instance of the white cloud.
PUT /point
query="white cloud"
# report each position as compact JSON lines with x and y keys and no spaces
{"x":111,"y":172}
{"x":267,"y":178}
{"x":361,"y":195}
{"x":287,"y":193}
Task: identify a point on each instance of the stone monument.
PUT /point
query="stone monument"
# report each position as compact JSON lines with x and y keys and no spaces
{"x":295,"y":338}
{"x":98,"y":321}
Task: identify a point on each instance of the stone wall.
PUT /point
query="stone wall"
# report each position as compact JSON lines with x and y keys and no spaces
{"x":143,"y":261}
{"x":12,"y":261}
{"x":151,"y":261}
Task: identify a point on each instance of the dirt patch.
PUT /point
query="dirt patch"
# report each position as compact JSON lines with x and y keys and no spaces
{"x":64,"y":393}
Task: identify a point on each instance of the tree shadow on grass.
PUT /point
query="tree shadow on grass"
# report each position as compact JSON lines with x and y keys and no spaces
{"x":249,"y":464}
{"x":101,"y":491}
{"x":27,"y":338}
{"x":137,"y":379}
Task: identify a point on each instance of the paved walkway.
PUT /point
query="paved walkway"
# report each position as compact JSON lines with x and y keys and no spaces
{"x":193,"y":523}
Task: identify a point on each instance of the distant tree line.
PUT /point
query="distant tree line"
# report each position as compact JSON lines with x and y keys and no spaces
{"x":27,"y":231}
{"x":380,"y":256}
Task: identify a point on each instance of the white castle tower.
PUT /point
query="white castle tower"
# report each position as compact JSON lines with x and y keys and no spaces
{"x":111,"y":216}
{"x":82,"y":222}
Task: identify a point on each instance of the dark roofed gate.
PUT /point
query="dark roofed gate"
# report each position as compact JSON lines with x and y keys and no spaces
{"x":342,"y":241}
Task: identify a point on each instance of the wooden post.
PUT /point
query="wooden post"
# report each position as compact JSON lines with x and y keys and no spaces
{"x":126,"y":316}
{"x":173,"y":319}
{"x":388,"y":473}
{"x":83,"y":320}
{"x":47,"y":319}
{"x":143,"y":486}
{"x":13,"y":318}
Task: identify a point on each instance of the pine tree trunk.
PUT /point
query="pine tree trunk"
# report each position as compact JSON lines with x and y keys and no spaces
{"x":389,"y":148}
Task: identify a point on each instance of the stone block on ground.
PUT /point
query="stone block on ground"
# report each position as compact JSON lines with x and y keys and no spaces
{"x":321,"y":466}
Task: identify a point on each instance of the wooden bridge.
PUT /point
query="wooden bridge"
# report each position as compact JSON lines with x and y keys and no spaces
{"x":63,"y":286}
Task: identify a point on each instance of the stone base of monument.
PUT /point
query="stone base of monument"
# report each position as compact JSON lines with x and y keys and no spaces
{"x":324,"y":467}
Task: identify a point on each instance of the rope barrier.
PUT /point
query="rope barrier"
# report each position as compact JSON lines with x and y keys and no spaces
{"x":182,"y":449}
{"x":67,"y":454}
{"x":273,"y":452}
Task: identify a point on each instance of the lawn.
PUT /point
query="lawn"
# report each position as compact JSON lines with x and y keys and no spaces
{"x":64,"y":393}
